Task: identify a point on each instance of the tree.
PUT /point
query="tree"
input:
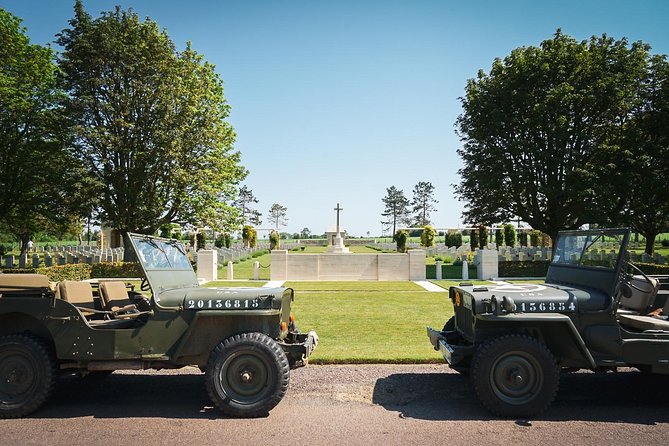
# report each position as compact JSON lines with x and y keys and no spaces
{"x":148,"y":124}
{"x":39,"y":184}
{"x":396,"y":211}
{"x":427,"y":236}
{"x":244,"y":200}
{"x":640,"y":166}
{"x":277,"y":214}
{"x":306,"y":233}
{"x":510,"y":235}
{"x":534,"y":129}
{"x":423,"y":202}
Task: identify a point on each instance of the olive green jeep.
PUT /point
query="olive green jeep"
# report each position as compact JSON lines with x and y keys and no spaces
{"x":243,"y":339}
{"x":596,"y":310}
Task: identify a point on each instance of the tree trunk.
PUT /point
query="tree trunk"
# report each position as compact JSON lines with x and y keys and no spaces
{"x":650,"y":243}
{"x":23,"y":241}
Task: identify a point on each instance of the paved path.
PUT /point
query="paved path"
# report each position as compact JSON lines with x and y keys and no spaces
{"x":274,"y":283}
{"x":429,"y":286}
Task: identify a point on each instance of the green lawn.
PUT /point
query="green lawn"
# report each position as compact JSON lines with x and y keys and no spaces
{"x":370,"y":322}
{"x":244,"y":269}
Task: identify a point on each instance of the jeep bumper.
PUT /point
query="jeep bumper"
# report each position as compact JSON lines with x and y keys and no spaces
{"x":298,"y":347}
{"x":453,"y":354}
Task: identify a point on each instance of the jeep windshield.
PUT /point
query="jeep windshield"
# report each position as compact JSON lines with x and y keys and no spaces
{"x":165,"y":263}
{"x":599,"y":249}
{"x":161,"y":254}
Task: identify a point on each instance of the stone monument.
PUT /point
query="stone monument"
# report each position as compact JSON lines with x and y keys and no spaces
{"x":337,"y":246}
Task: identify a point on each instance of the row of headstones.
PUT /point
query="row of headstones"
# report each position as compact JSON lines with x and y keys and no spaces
{"x":61,"y":258}
{"x":645,"y":258}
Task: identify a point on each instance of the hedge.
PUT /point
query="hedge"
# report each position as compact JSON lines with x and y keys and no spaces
{"x":530,"y":268}
{"x":82,"y":271}
{"x":448,"y":271}
{"x":653,"y":268}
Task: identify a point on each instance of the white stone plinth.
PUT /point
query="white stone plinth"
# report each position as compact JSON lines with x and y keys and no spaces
{"x":487,"y":264}
{"x":207,"y":265}
{"x":337,"y":246}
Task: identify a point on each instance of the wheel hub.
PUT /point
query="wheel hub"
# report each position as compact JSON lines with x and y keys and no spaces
{"x":246,"y":376}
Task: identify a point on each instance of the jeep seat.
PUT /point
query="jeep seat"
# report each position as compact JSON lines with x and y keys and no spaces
{"x":114,"y":296}
{"x":79,"y":294}
{"x":26,"y":284}
{"x":643,"y":297}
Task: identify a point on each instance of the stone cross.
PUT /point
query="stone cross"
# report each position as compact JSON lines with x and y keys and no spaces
{"x":338,"y":209}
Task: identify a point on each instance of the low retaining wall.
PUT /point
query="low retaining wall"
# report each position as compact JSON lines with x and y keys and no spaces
{"x":345,"y":267}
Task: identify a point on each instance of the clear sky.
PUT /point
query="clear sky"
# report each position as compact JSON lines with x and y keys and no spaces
{"x":335,"y":101}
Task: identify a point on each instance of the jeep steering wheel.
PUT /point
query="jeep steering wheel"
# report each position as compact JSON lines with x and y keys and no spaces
{"x":628,"y":281}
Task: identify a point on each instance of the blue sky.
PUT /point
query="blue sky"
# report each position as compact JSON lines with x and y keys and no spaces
{"x":334,"y":101}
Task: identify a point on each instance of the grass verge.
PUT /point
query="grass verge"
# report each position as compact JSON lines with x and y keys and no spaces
{"x":357,"y":327}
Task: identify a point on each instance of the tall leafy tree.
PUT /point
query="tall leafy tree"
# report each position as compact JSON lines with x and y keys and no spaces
{"x":534,"y":129}
{"x":148,"y":124}
{"x":38,"y":181}
{"x":277,"y":215}
{"x":641,"y":165}
{"x":423,"y":202}
{"x":396,"y":211}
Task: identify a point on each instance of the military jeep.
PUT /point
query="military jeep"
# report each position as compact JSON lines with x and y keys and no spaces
{"x":244,"y":339}
{"x":595,"y":311}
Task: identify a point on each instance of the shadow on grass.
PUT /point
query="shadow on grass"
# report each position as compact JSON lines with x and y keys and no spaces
{"x":626,"y":397}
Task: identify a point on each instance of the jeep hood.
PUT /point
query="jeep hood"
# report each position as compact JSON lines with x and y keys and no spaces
{"x":531,"y":298}
{"x":196,"y":298}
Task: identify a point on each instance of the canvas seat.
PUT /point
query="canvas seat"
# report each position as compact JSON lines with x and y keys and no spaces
{"x":79,"y":294}
{"x":642,"y":298}
{"x":24,"y":284}
{"x":647,"y":322}
{"x":114,"y":297}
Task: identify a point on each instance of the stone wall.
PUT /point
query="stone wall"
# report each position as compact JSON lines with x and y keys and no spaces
{"x":346,"y":267}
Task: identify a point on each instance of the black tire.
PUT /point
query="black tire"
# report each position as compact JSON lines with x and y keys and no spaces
{"x":27,"y":372}
{"x":247,"y":375}
{"x":515,"y":376}
{"x":449,"y":325}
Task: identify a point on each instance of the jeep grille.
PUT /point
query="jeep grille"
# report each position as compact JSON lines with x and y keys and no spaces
{"x":464,"y":322}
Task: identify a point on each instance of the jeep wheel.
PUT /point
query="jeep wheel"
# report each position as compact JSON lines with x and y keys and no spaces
{"x":247,"y":375}
{"x":515,"y":376}
{"x":27,"y":371}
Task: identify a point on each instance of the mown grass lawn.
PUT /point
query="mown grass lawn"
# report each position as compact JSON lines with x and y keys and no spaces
{"x":370,"y":322}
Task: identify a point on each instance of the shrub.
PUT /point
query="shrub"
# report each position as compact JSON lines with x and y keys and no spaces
{"x":499,"y":238}
{"x":509,"y":235}
{"x":427,"y":236}
{"x":249,"y":236}
{"x":535,"y":238}
{"x":273,"y":240}
{"x":474,"y":239}
{"x":438,"y":259}
{"x":483,"y":236}
{"x":456,"y":239}
{"x":201,"y":240}
{"x":401,"y":240}
{"x":665,"y":243}
{"x":223,"y":240}
{"x":522,"y":238}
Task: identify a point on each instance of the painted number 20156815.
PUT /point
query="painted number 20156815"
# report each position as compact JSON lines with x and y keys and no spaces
{"x":222,"y":304}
